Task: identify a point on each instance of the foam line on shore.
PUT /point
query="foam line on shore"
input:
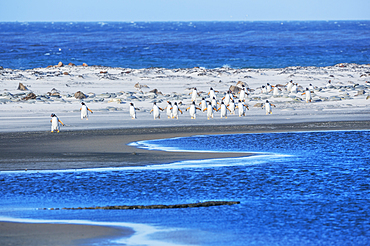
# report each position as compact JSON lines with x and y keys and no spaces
{"x":140,"y":237}
{"x":207,"y":163}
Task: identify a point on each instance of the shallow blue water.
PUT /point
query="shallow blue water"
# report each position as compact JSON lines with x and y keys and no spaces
{"x":185,"y":44}
{"x":308,"y":188}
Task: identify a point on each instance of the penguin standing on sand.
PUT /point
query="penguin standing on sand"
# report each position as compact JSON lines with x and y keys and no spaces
{"x":175,"y":111}
{"x":308,"y":95}
{"x":268,"y":87}
{"x":223,"y":109}
{"x":241,"y":107}
{"x":232,"y":106}
{"x":294,"y":88}
{"x":203,"y":104}
{"x":84,"y":111}
{"x":155,"y":110}
{"x":227,"y":97}
{"x":214,"y":102}
{"x":212,"y":93}
{"x":275,"y":91}
{"x":132,"y":111}
{"x":289,"y":86}
{"x":194,"y":95}
{"x":263,"y":89}
{"x":168,"y":110}
{"x":329,"y":85}
{"x":268,"y":108}
{"x":55,"y":123}
{"x":192,"y":110}
{"x":209,"y":110}
{"x":242,"y":94}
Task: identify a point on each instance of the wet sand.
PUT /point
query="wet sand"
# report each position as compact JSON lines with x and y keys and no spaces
{"x":58,"y":234}
{"x":108,"y":148}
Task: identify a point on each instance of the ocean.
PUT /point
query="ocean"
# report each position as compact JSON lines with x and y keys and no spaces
{"x":26,"y":45}
{"x":300,"y":188}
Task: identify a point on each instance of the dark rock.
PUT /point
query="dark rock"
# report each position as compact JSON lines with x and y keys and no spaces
{"x":22,"y":87}
{"x":155,"y":91}
{"x":30,"y":95}
{"x":80,"y":95}
{"x":235,"y":89}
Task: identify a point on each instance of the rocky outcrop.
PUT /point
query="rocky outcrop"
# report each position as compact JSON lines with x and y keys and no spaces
{"x":187,"y":205}
{"x":30,"y":95}
{"x":234,"y":89}
{"x":22,"y":87}
{"x":80,"y":95}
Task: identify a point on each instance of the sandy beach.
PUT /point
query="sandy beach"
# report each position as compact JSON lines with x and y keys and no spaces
{"x":27,"y":144}
{"x":57,"y":234}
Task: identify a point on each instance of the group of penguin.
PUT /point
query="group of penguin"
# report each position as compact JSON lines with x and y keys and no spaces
{"x":55,"y":120}
{"x":227,"y":104}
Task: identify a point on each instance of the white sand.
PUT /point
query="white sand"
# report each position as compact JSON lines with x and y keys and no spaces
{"x":110,"y":93}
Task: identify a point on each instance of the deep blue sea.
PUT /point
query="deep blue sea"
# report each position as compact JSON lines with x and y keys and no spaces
{"x":301,"y":188}
{"x":25,"y":45}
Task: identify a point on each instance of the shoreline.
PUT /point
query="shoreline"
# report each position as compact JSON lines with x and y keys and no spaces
{"x":99,"y":148}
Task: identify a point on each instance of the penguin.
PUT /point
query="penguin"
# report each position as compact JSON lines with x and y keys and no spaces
{"x":329,"y":85}
{"x":168,"y":110}
{"x":212,"y":93}
{"x":227,"y":97}
{"x":241,"y":108}
{"x":84,"y":111}
{"x":289,"y":86}
{"x":275,"y":91}
{"x":268,"y":87}
{"x":193,"y":110}
{"x":55,"y":123}
{"x":294,"y":88}
{"x":311,"y":88}
{"x":132,"y":111}
{"x":155,"y":110}
{"x":267,"y":106}
{"x":194,"y":94}
{"x":223,"y":109}
{"x":214,"y":102}
{"x":263,"y":90}
{"x":209,"y":110}
{"x":175,"y":111}
{"x":232,"y":106}
{"x":242,"y":94}
{"x":203,"y":104}
{"x":308,"y":95}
